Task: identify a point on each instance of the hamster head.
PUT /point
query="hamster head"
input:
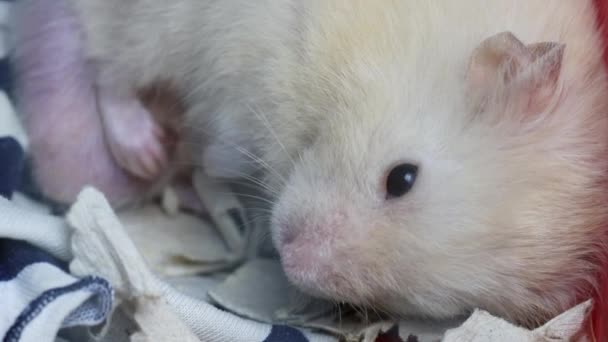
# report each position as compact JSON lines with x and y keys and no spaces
{"x":437,"y":199}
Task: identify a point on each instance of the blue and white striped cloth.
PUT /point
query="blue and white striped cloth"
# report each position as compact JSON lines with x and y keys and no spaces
{"x":38,"y":296}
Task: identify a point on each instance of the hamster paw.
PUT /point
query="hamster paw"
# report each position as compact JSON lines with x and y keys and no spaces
{"x":136,"y":141}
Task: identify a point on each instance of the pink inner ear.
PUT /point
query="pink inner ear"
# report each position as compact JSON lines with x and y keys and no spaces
{"x":537,"y":84}
{"x":525,"y":75}
{"x":495,"y":60}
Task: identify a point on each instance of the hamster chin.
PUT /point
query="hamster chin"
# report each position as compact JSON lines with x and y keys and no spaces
{"x":491,"y":204}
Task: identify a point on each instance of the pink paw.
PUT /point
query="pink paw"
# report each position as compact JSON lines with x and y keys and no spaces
{"x":137,"y":142}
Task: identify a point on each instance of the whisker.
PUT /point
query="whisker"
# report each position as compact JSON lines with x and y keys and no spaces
{"x":263,"y":163}
{"x":266,"y":123}
{"x":259,"y":198}
{"x":255,"y":181}
{"x":357,"y":310}
{"x":250,"y":221}
{"x":265,"y":236}
{"x":249,"y":177}
{"x":253,"y":158}
{"x":265,"y":186}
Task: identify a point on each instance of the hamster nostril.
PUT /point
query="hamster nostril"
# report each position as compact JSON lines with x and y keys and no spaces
{"x":288,"y":234}
{"x":287,"y":238}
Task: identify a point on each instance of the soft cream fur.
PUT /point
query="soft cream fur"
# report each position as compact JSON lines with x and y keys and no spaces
{"x":508,"y":209}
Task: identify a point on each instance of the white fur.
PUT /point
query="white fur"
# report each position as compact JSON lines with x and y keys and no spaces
{"x":504,"y":215}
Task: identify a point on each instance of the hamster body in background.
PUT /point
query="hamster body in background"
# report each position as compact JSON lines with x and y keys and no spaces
{"x":427,"y":158}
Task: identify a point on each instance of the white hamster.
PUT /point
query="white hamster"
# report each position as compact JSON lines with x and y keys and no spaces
{"x":424,"y":157}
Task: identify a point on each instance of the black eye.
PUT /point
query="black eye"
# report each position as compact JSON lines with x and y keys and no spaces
{"x":401,"y":179}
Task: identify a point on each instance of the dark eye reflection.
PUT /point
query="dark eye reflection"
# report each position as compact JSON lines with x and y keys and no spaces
{"x":400,"y":180}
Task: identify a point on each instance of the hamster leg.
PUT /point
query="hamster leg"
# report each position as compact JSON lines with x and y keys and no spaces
{"x":56,"y":96}
{"x":135,"y":139}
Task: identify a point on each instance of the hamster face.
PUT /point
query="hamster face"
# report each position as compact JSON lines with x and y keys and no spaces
{"x":424,"y":205}
{"x":406,"y":221}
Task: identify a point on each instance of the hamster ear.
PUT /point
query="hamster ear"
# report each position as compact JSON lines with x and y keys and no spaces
{"x":495,"y":59}
{"x":503,"y":67}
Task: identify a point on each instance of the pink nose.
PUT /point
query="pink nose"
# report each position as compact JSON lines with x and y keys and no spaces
{"x":307,"y":256}
{"x":311,"y":228}
{"x":289,"y":230}
{"x":287,"y":235}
